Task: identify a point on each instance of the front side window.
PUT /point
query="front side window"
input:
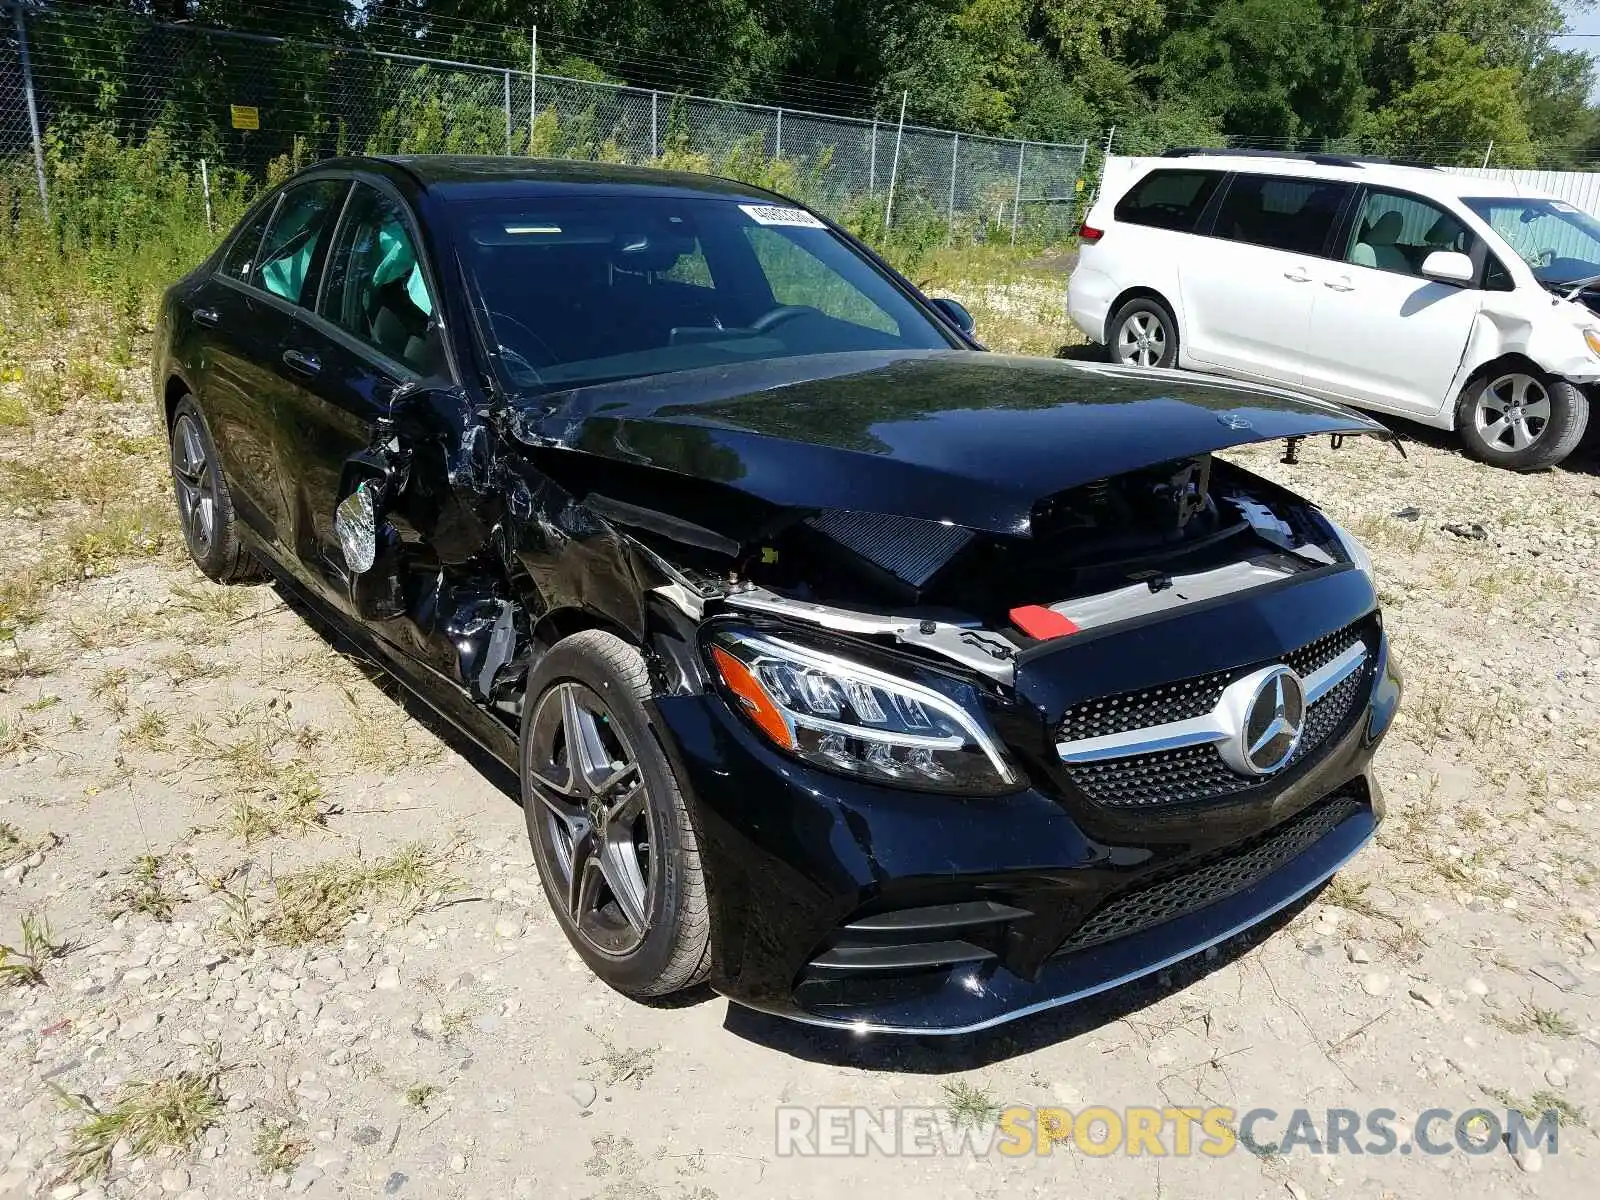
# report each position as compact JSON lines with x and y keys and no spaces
{"x":579,"y":290}
{"x":305,"y":215}
{"x":376,"y":289}
{"x":1283,"y":213}
{"x":1559,"y":242}
{"x":1396,"y":232}
{"x":1168,"y":199}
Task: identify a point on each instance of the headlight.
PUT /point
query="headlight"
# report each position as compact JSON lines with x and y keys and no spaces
{"x":1354,"y":550}
{"x":847,"y":717}
{"x":1592,"y":337}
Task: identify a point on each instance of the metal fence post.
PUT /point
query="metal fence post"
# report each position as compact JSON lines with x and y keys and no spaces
{"x":655,"y":142}
{"x":894,"y":167}
{"x":950,"y":220}
{"x":872,"y":161}
{"x":778,"y":152}
{"x":1016,"y":198}
{"x":508,"y":109}
{"x":533,"y":86}
{"x":33,"y":108}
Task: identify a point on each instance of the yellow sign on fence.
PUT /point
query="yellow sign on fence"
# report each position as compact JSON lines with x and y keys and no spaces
{"x":245,"y":116}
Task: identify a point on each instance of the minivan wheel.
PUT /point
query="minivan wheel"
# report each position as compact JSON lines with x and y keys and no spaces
{"x":610,"y":832}
{"x":1144,"y":334}
{"x":205,"y":508}
{"x":1521,"y":420}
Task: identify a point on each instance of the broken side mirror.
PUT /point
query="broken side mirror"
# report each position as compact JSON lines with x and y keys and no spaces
{"x":370,"y":545}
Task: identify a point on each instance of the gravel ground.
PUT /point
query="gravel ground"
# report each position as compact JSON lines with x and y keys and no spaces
{"x":296,"y":942}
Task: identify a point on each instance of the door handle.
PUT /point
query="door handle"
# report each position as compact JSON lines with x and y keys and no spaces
{"x":1298,"y":275}
{"x":306,"y":364}
{"x":206,"y":316}
{"x":1341,"y":284}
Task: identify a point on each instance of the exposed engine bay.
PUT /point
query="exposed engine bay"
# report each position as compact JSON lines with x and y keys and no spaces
{"x":1149,"y":541}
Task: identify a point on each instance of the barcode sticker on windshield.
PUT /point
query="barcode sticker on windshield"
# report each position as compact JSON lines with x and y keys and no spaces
{"x":772,"y":214}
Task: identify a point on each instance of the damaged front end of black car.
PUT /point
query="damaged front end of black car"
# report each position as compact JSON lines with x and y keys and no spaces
{"x":881,"y":681}
{"x":986,"y":686}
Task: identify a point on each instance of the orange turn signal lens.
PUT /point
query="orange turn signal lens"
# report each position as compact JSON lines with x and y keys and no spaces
{"x":758,"y":705}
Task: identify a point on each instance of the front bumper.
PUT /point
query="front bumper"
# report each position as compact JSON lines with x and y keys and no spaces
{"x":858,"y":906}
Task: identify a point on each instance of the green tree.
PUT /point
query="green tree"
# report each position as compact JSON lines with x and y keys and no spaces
{"x":1278,"y":70}
{"x":1457,"y":105}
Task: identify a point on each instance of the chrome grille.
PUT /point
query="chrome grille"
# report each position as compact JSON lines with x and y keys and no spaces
{"x":1194,"y":885}
{"x":1197,"y":773}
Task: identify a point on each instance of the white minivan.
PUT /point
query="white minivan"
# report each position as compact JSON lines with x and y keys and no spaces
{"x":1447,"y":299}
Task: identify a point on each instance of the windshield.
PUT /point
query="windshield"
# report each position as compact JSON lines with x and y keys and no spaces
{"x":1561,"y":243}
{"x":578,"y":290}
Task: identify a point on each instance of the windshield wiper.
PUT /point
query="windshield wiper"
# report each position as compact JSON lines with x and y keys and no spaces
{"x":1574,"y":286}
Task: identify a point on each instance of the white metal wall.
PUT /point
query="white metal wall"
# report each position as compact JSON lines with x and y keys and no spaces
{"x":1580,"y":188}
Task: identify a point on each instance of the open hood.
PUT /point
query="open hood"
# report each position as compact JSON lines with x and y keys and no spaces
{"x":963,"y":438}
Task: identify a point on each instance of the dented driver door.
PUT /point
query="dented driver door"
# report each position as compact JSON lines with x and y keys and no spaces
{"x":373,"y":339}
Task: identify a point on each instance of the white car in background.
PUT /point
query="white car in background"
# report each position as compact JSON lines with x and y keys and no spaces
{"x":1406,"y":290}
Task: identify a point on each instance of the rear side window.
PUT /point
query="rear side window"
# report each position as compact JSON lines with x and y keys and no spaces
{"x":305,"y":216}
{"x":1168,"y":199}
{"x":1286,"y":214}
{"x":241,"y":256}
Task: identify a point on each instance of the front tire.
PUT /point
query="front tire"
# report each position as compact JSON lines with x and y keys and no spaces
{"x":205,"y":507}
{"x":1143,"y":333}
{"x":609,"y":828}
{"x":1521,"y":420}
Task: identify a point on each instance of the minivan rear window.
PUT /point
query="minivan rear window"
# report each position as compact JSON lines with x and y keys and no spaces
{"x":1286,"y":214}
{"x":1168,"y":199}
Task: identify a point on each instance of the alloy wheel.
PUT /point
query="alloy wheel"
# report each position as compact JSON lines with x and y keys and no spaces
{"x":1512,"y":411}
{"x":1142,"y":340}
{"x":193,"y":480}
{"x":597,"y":831}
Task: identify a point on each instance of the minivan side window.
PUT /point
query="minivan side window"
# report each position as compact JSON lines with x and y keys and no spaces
{"x":1168,"y":199}
{"x":1395,"y":232}
{"x":1282,"y":213}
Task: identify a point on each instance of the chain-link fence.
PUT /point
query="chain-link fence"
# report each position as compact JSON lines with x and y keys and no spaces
{"x":245,"y":100}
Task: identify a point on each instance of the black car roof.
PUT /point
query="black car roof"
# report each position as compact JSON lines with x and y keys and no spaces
{"x":461,"y":174}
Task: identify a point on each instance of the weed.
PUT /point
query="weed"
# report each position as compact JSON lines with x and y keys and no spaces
{"x":1539,"y":1104}
{"x":184,"y":666}
{"x":160,"y":1114}
{"x":25,"y":967}
{"x":1533,"y":1018}
{"x":970,"y":1105}
{"x":14,"y":848}
{"x":148,"y":730}
{"x":279,"y":1147}
{"x":623,"y":1065}
{"x":314,"y":905}
{"x":146,"y":891}
{"x":17,"y":738}
{"x":294,"y":806}
{"x":419,"y":1094}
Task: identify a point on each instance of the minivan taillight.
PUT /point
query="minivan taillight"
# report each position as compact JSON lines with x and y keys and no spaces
{"x":1088,"y":233}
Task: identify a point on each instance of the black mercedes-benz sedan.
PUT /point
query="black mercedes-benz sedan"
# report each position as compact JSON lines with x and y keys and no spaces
{"x":883,"y":681}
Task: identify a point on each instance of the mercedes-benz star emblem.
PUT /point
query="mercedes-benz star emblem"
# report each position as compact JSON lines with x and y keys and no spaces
{"x":1263,"y":716}
{"x":1273,"y":722}
{"x":1234,"y":420}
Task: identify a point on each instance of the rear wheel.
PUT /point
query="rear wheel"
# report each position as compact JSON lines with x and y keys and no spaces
{"x":205,"y":509}
{"x":1143,"y":333}
{"x":610,"y":833}
{"x":1521,"y":419}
